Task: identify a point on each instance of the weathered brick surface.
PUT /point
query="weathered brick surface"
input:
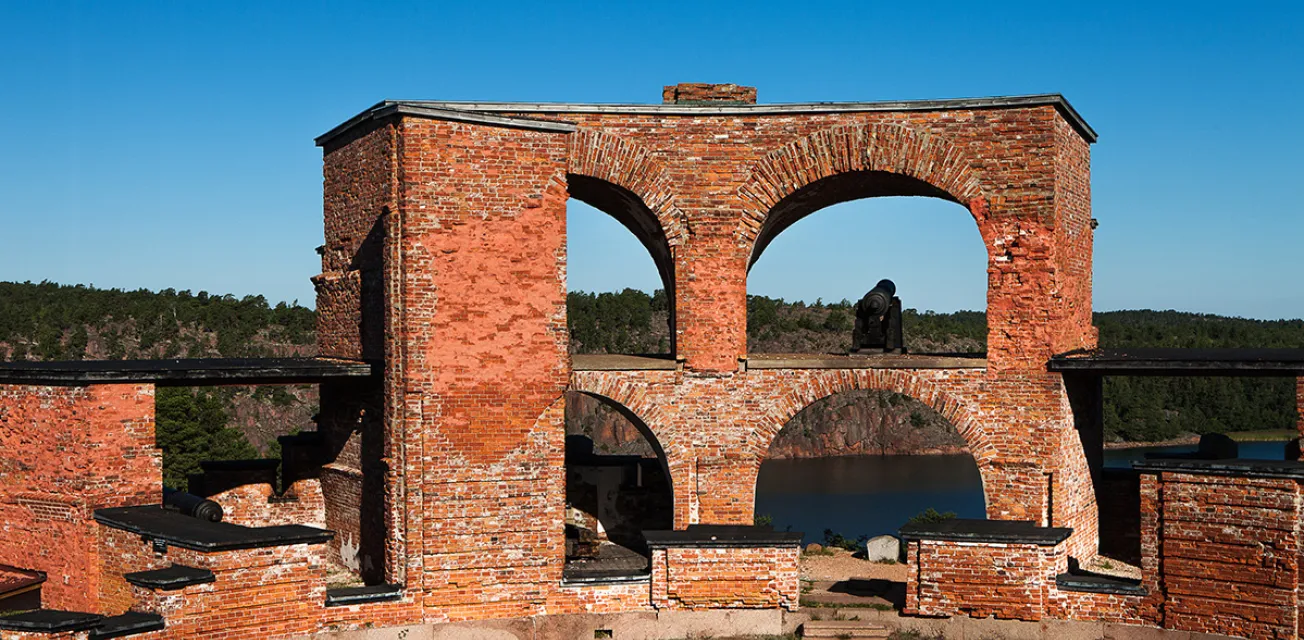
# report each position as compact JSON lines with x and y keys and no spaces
{"x":64,"y":452}
{"x":1008,"y":581}
{"x":1224,"y":552}
{"x":723,"y":578}
{"x":258,"y":505}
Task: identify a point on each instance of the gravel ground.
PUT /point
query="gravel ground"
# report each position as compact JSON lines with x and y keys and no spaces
{"x":843,"y":566}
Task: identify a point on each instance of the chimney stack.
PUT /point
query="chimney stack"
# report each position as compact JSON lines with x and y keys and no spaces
{"x":701,"y":93}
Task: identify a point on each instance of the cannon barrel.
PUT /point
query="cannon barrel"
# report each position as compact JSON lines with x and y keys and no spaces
{"x":877,"y":301}
{"x":192,"y":505}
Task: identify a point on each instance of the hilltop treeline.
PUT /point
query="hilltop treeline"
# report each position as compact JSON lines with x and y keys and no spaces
{"x":48,"y":321}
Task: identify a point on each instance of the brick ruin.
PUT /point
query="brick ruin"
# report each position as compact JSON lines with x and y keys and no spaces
{"x":437,"y":475}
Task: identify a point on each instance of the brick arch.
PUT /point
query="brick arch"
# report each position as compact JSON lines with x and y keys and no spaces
{"x":630,"y":166}
{"x":632,"y":396}
{"x":906,"y":160}
{"x":817,"y":387}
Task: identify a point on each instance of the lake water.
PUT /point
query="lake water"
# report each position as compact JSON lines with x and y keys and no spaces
{"x":875,"y":495}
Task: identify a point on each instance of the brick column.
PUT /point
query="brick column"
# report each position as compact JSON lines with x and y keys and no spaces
{"x":711,"y":304}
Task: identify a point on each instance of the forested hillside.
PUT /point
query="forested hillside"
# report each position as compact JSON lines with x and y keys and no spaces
{"x":48,"y":321}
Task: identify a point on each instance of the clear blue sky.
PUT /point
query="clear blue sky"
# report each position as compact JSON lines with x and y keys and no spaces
{"x":170,"y":144}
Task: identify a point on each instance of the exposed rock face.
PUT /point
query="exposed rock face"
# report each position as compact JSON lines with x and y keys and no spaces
{"x":610,"y":431}
{"x":852,"y":423}
{"x":866,"y":423}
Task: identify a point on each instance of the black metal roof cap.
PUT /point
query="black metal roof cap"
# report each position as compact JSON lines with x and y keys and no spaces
{"x":994,"y":531}
{"x":1180,"y":362}
{"x":171,"y":527}
{"x":183,"y":371}
{"x":489,"y":112}
{"x":50,"y":621}
{"x":175,"y":577}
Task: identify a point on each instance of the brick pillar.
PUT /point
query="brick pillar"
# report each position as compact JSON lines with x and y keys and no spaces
{"x":65,"y":452}
{"x":711,"y":304}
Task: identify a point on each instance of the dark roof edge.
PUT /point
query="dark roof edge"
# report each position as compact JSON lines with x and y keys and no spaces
{"x":463,"y":109}
{"x":435,"y":111}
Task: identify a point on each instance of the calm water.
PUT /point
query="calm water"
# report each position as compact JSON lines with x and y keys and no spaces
{"x":875,"y":495}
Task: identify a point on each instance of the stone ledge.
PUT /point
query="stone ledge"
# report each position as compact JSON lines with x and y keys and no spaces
{"x":986,"y":531}
{"x":160,"y":525}
{"x":595,"y":580}
{"x":1099,"y":584}
{"x":343,"y":596}
{"x":172,"y":578}
{"x":1236,"y":467}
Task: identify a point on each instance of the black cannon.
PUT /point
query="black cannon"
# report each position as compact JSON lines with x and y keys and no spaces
{"x":878,"y":321}
{"x":192,"y":505}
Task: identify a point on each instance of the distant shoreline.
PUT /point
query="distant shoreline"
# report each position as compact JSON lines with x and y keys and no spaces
{"x":1273,"y":435}
{"x":1190,"y":440}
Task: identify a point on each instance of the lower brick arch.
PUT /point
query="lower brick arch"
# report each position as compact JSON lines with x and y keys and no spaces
{"x":632,"y":401}
{"x":793,"y":394}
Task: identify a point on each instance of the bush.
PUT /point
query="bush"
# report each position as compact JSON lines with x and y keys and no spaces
{"x":840,"y":541}
{"x":930,"y":516}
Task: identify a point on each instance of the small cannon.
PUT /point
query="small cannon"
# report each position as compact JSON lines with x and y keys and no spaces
{"x":192,"y":505}
{"x":878,"y":321}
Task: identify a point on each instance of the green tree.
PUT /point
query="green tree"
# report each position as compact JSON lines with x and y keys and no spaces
{"x":192,"y":428}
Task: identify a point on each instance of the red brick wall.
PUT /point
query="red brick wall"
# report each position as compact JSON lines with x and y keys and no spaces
{"x":725,"y":578}
{"x":1008,"y":581}
{"x":65,"y":451}
{"x":360,"y":190}
{"x":1224,"y":552}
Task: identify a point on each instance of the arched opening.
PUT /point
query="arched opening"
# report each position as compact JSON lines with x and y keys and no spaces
{"x":872,"y":225}
{"x":848,"y":471}
{"x":618,"y":301}
{"x":618,"y":485}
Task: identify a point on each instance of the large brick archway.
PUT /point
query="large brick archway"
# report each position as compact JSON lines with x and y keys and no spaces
{"x":471,"y":283}
{"x":845,"y":163}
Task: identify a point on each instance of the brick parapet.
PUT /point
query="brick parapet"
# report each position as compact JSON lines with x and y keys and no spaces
{"x":270,"y":592}
{"x":982,"y":579}
{"x":692,"y":577}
